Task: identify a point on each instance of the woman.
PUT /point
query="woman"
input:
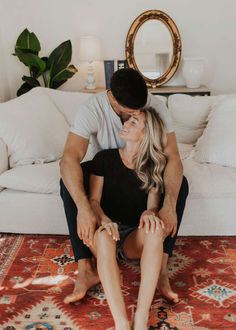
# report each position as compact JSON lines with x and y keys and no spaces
{"x":124,"y":184}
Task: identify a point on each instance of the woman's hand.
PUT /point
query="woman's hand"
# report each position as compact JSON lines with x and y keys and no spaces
{"x":111,"y":227}
{"x":150,"y":222}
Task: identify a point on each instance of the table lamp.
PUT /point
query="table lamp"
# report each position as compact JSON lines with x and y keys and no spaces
{"x":89,"y":51}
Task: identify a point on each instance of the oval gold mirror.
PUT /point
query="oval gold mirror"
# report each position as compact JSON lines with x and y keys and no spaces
{"x":153,"y":47}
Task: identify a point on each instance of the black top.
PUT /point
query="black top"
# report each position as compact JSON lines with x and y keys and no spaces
{"x":122,"y":198}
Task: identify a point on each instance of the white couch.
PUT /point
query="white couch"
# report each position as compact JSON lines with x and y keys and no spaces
{"x":33,"y":130}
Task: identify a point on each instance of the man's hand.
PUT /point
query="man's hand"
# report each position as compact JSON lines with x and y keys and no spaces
{"x":150,"y":221}
{"x":86,"y":225}
{"x":169,"y":217}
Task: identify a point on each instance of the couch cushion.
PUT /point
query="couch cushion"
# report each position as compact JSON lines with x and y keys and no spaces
{"x":210,"y":180}
{"x":185,"y":150}
{"x":67,"y":102}
{"x":3,"y":158}
{"x":189,"y":115}
{"x":36,"y":178}
{"x":162,"y":98}
{"x":218,"y":143}
{"x":32,"y":128}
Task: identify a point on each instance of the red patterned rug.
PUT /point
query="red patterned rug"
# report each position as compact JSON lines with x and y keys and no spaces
{"x":37,"y":272}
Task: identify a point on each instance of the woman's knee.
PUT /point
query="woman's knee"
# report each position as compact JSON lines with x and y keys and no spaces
{"x":154,"y":237}
{"x":103,"y":239}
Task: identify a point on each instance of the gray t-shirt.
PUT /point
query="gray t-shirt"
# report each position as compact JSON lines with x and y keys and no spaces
{"x":98,"y":122}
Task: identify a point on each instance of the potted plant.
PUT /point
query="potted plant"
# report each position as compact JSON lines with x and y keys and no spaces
{"x":54,"y":69}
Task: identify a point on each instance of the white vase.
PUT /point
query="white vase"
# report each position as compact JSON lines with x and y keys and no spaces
{"x":193,"y":70}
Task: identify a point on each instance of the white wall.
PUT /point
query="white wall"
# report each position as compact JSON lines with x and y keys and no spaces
{"x":207,"y":28}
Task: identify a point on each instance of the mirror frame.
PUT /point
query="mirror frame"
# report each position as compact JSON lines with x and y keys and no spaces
{"x":176,"y":40}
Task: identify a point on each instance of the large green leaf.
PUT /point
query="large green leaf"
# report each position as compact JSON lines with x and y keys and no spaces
{"x":24,"y":51}
{"x":24,"y":89}
{"x":60,"y":57}
{"x":27,"y":41}
{"x":56,"y":84}
{"x":45,"y":59}
{"x":31,"y":81}
{"x":35,"y":72}
{"x":63,"y":75}
{"x":32,"y":60}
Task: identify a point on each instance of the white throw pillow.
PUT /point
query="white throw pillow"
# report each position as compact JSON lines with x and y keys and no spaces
{"x":3,"y":159}
{"x":185,"y":150}
{"x":67,"y":102}
{"x":189,"y":115}
{"x":37,"y":178}
{"x":162,"y":98}
{"x":217,"y":145}
{"x":32,"y":128}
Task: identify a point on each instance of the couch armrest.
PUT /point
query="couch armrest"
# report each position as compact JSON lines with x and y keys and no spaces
{"x":4,"y":164}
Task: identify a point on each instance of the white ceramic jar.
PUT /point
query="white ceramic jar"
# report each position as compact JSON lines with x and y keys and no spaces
{"x":193,"y":70}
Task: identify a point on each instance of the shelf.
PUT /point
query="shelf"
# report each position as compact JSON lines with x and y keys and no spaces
{"x":164,"y":90}
{"x":169,"y":90}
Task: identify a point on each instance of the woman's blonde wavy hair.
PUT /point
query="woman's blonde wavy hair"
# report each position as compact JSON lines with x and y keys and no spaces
{"x":150,"y":160}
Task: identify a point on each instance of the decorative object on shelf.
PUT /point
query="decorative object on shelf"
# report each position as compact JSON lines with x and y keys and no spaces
{"x":109,"y":70}
{"x":54,"y":69}
{"x":153,"y":47}
{"x":193,"y":70}
{"x":122,"y":64}
{"x":90,"y":50}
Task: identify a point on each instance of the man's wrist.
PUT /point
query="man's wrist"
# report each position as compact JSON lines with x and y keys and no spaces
{"x":154,"y":210}
{"x":169,"y":201}
{"x":105,"y":220}
{"x":83,"y":204}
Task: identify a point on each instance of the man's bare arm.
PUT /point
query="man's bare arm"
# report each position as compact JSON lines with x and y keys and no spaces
{"x":95,"y":194}
{"x":173,"y":176}
{"x":72,"y":176}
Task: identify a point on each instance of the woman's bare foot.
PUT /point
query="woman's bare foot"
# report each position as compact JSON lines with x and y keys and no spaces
{"x":23,"y":284}
{"x":165,"y":288}
{"x":3,"y":288}
{"x":86,"y":278}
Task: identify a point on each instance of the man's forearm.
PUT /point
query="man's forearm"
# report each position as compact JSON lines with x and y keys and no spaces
{"x":101,"y":216}
{"x":72,"y":176}
{"x":153,"y":201}
{"x":173,"y":176}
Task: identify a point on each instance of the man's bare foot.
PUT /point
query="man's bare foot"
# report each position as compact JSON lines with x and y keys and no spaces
{"x":165,"y":288}
{"x":87,"y":277}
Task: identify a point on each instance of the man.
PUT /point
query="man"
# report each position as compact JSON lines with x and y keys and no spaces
{"x":99,"y":121}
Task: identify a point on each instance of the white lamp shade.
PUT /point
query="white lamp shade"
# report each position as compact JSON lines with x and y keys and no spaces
{"x":90,"y":49}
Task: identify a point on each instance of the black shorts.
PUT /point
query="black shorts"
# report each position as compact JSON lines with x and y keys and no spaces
{"x":124,"y":231}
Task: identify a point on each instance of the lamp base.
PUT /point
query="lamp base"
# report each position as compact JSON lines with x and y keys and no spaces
{"x":90,"y":87}
{"x":90,"y":77}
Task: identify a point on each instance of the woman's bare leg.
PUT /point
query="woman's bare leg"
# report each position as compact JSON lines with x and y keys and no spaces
{"x":105,"y":251}
{"x":150,"y":248}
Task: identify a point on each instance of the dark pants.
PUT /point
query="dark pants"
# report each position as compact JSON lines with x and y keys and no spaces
{"x":80,"y":250}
